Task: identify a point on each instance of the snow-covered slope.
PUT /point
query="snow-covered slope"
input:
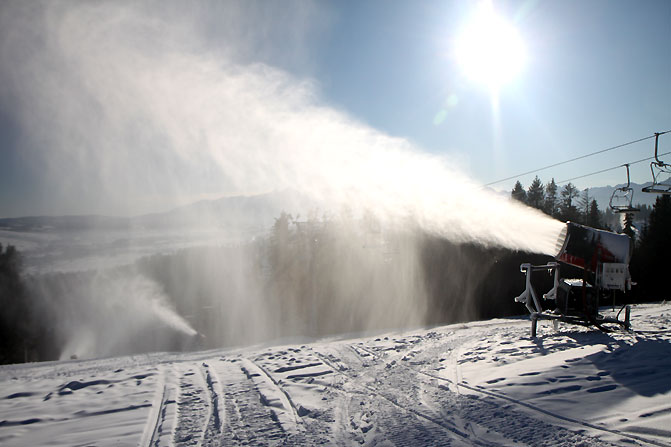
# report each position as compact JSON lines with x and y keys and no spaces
{"x":71,"y":243}
{"x":481,"y":383}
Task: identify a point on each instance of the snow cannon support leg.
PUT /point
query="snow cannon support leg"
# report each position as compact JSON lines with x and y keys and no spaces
{"x":534,"y":324}
{"x":627,"y":317}
{"x":529,"y":296}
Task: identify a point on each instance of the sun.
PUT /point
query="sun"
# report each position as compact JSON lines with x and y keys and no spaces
{"x":489,"y":50}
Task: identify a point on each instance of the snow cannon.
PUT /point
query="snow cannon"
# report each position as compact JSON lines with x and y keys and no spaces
{"x":603,"y":257}
{"x":588,"y":248}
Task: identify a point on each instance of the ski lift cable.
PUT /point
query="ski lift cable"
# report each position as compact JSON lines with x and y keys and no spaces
{"x":580,"y":158}
{"x":610,"y":169}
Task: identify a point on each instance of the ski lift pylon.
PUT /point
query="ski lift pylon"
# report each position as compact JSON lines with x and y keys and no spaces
{"x":622,"y":198}
{"x":658,"y":168}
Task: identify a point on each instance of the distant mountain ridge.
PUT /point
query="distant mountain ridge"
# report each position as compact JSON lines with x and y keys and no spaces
{"x":235,"y":212}
{"x":255,"y":211}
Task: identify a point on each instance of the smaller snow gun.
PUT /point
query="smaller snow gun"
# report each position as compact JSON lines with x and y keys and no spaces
{"x":603,"y":257}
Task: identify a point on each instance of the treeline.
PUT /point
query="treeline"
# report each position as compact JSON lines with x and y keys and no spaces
{"x":567,"y":203}
{"x":307,"y":278}
{"x":348,"y":275}
{"x":650,"y":263}
{"x":24,"y":335}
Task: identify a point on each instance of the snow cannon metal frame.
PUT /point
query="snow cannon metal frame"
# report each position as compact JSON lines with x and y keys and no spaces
{"x":603,"y":257}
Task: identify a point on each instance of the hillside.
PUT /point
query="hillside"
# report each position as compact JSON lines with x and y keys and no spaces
{"x":254,"y":211}
{"x":480,"y":383}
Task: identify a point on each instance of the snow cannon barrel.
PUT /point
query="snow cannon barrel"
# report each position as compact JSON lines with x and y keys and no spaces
{"x":586,"y":247}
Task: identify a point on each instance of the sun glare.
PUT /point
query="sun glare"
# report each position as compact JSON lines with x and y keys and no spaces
{"x":489,"y":50}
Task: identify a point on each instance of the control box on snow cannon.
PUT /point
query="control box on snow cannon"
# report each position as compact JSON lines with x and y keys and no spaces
{"x":603,"y":257}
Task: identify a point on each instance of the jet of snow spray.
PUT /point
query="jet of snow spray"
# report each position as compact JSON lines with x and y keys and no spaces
{"x":133,"y":111}
{"x":134,"y":308}
{"x":145,"y":115}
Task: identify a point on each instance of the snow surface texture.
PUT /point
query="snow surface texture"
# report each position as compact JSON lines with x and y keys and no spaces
{"x":481,"y":383}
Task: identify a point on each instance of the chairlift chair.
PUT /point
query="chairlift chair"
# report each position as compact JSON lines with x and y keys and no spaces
{"x":658,"y":169}
{"x":621,"y":199}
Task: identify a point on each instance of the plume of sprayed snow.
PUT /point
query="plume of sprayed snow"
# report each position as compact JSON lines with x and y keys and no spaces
{"x":123,"y":111}
{"x":143,"y":116}
{"x":110,"y":313}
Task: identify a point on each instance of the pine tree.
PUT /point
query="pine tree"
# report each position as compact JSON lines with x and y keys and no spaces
{"x":649,"y":265}
{"x":550,"y":206}
{"x":536,"y":194}
{"x":518,"y":193}
{"x":568,"y":209}
{"x":583,"y":205}
{"x":594,"y":215}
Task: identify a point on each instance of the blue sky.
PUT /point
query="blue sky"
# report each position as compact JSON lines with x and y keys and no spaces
{"x":598,"y":74}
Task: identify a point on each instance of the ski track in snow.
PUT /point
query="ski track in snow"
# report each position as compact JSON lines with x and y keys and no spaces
{"x":163,"y":417}
{"x":479,"y":383}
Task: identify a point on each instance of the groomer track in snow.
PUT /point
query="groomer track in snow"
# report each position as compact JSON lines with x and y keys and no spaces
{"x":482,"y":383}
